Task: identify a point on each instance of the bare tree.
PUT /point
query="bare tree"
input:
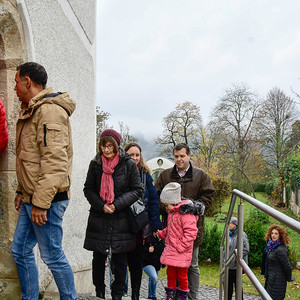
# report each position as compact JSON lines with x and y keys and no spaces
{"x":183,"y":125}
{"x":125,"y":133}
{"x":101,"y":122}
{"x":234,"y":116}
{"x":276,"y":117}
{"x":102,"y":118}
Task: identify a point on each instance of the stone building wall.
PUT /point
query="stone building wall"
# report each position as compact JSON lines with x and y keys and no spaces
{"x":60,"y":35}
{"x":295,"y":201}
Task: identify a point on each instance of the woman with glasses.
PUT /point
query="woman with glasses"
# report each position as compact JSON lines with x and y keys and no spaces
{"x":112,"y":184}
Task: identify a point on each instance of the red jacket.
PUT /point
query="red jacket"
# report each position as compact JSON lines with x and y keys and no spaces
{"x":3,"y":128}
{"x":180,"y":234}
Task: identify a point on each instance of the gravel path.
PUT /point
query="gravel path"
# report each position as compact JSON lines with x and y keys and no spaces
{"x":206,"y":292}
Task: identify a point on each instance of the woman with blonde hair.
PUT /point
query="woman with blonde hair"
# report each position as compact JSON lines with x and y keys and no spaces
{"x":135,"y":257}
{"x":276,"y":265}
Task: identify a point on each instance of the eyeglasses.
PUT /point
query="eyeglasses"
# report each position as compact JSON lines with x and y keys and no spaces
{"x":108,"y":147}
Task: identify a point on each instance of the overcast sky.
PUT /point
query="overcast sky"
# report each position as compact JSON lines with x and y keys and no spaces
{"x":155,"y":54}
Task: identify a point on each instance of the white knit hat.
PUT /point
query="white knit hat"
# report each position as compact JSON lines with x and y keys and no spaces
{"x":171,"y":193}
{"x":234,"y":221}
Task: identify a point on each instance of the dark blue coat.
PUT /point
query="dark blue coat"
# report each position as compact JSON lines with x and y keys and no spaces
{"x":151,"y":201}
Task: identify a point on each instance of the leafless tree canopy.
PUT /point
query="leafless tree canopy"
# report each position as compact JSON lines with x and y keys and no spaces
{"x":183,"y":125}
{"x":276,"y":117}
{"x":234,"y":116}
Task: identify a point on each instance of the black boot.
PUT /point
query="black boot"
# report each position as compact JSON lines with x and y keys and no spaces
{"x":135,"y":296}
{"x":116,"y":297}
{"x":100,"y":295}
{"x":181,"y":295}
{"x":170,"y":293}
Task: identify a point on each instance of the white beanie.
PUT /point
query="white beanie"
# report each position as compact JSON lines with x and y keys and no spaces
{"x":171,"y":193}
{"x":234,"y":221}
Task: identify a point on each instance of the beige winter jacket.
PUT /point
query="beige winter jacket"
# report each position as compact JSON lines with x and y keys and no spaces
{"x":44,"y":149}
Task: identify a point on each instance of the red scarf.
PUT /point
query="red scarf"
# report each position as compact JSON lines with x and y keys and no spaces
{"x":107,"y":183}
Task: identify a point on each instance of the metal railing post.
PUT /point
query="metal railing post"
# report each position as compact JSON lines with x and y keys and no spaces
{"x":226,"y":272}
{"x":239,"y":279}
{"x":221,"y":277}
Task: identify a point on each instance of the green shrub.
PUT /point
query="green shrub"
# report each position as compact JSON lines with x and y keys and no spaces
{"x":220,"y":217}
{"x":210,"y":247}
{"x":259,"y":187}
{"x":269,"y":187}
{"x":255,"y":227}
{"x":222,"y":191}
{"x":292,"y":256}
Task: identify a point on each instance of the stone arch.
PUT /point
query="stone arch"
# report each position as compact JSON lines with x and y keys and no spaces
{"x":13,"y":51}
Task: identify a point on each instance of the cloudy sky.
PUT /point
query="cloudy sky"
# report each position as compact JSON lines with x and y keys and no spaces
{"x":155,"y":54}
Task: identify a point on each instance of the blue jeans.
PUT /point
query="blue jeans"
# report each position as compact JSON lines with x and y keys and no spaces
{"x":49,"y":239}
{"x":152,"y":273}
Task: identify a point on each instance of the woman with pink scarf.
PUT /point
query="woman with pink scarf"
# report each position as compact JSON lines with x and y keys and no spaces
{"x":112,"y":184}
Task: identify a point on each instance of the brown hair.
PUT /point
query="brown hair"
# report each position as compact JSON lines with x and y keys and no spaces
{"x":283,"y":235}
{"x":142,"y":162}
{"x":181,"y":146}
{"x":107,"y":138}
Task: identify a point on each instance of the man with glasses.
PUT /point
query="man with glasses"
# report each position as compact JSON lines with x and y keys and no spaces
{"x":43,"y":164}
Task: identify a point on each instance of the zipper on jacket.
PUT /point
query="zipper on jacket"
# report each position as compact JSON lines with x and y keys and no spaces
{"x":45,"y":133}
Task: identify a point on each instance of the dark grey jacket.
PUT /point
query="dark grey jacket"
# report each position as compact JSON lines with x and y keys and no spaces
{"x":233,"y":246}
{"x":278,"y":271}
{"x":105,"y":231}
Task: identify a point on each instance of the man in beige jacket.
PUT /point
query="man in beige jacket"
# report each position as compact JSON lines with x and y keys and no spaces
{"x":43,"y":165}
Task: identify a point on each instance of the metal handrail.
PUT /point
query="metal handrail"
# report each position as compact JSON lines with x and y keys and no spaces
{"x":241,"y":264}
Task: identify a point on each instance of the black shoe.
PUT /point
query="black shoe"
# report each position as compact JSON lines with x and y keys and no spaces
{"x":135,"y":296}
{"x":100,"y":295}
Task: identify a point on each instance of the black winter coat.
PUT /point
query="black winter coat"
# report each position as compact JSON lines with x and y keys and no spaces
{"x":153,"y":258}
{"x":277,"y":271}
{"x":105,"y":231}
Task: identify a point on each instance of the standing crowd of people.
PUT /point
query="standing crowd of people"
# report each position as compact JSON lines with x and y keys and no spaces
{"x":115,"y":180}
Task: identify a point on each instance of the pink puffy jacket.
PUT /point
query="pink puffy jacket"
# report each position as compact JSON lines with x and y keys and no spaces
{"x":180,"y":234}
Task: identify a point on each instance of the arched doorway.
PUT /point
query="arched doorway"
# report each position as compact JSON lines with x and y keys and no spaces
{"x":12,"y":53}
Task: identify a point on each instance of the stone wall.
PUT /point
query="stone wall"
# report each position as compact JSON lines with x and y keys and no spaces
{"x":60,"y":35}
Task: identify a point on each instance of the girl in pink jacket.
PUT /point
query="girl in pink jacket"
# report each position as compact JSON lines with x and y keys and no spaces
{"x":179,"y":236}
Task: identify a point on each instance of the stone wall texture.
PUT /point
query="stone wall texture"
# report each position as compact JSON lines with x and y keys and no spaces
{"x":60,"y":35}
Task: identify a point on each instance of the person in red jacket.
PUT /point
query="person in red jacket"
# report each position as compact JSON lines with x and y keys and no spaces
{"x":179,"y":236}
{"x":3,"y":128}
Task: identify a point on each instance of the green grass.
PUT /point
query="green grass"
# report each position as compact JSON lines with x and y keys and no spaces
{"x":209,"y":272}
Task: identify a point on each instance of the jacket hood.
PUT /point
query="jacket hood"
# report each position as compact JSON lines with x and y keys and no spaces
{"x":192,"y":207}
{"x":61,"y":99}
{"x":123,"y":156}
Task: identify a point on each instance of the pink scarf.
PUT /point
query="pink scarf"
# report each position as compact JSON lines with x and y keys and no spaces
{"x":107,"y":183}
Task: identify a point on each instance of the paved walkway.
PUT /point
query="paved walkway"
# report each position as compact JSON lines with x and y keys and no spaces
{"x":206,"y":292}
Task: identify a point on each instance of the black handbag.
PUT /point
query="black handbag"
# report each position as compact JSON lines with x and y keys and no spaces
{"x":138,"y":216}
